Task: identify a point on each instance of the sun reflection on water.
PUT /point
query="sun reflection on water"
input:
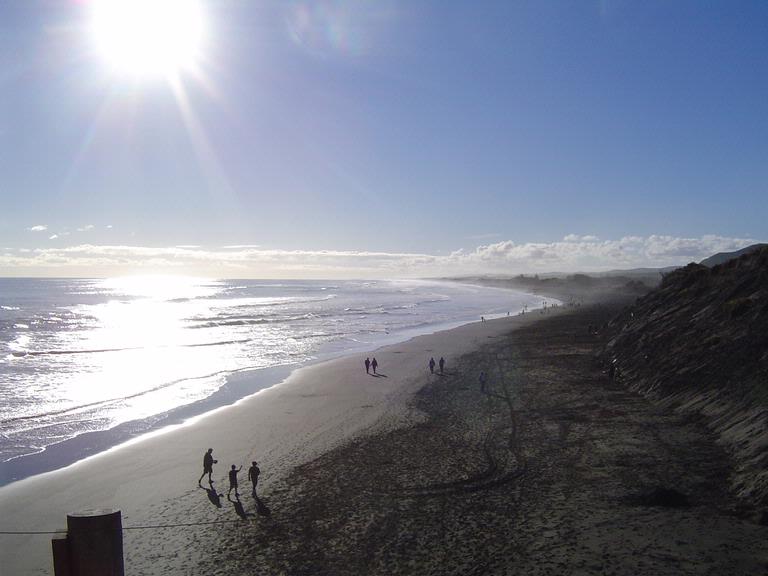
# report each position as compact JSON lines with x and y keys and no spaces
{"x":144,"y":327}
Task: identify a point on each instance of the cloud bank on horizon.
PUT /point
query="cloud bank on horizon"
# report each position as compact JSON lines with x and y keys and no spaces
{"x":573,"y":253}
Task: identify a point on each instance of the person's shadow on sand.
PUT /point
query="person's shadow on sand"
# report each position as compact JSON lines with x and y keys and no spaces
{"x":239,"y":509}
{"x":261,"y":507}
{"x":379,"y":375}
{"x":213,"y":496}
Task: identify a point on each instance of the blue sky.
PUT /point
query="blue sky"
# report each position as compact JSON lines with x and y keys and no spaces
{"x":358,"y":138}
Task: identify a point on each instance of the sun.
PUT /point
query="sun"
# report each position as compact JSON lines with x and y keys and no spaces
{"x":144,"y":38}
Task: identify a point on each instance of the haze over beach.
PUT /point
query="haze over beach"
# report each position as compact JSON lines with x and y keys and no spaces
{"x":545,"y":221}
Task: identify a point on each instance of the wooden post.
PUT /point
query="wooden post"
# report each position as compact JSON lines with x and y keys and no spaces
{"x":61,"y":560}
{"x":95,"y":543}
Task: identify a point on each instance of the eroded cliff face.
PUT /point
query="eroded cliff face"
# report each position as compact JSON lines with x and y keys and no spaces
{"x":699,"y":344}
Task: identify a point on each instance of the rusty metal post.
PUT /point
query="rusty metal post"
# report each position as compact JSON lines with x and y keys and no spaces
{"x":95,"y":543}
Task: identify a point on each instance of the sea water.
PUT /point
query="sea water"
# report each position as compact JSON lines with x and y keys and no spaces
{"x":86,"y":364}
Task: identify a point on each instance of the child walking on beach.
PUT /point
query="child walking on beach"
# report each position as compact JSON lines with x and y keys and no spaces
{"x":233,"y":479}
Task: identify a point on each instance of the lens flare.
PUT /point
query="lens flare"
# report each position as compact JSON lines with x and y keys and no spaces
{"x":148,"y":37}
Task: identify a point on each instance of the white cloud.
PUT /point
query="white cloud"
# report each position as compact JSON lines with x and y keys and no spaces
{"x":38,"y":228}
{"x":589,"y":253}
{"x":577,"y":238}
{"x":573,"y":253}
{"x":53,"y":237}
{"x":86,"y":228}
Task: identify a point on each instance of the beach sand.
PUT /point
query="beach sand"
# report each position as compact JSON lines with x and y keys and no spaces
{"x":553,"y":469}
{"x":153,"y":481}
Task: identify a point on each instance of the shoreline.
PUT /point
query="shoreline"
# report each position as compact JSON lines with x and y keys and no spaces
{"x":238,"y":385}
{"x":315,"y":409}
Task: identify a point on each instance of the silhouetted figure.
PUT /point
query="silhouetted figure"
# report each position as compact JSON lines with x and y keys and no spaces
{"x":611,"y":371}
{"x":482,"y":381}
{"x":253,"y":476}
{"x":374,"y":365}
{"x":482,"y":318}
{"x":431,"y":365}
{"x":367,"y":365}
{"x":233,"y":479}
{"x":208,"y":463}
{"x":442,"y":364}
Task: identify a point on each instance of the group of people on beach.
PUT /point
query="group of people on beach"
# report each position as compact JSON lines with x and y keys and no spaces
{"x":209,"y":461}
{"x":441,"y":364}
{"x":371,"y":365}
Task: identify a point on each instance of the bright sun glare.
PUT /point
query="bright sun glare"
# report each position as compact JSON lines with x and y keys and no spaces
{"x":148,"y":37}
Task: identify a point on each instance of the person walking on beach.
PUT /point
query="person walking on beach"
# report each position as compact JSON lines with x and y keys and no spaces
{"x":367,"y":365}
{"x":431,"y":365}
{"x":374,"y":365}
{"x":253,"y":476}
{"x":442,"y":364}
{"x":233,"y":479}
{"x":208,"y":463}
{"x":482,"y":381}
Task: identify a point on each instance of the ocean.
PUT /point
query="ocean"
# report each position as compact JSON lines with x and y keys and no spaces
{"x":86,"y":364}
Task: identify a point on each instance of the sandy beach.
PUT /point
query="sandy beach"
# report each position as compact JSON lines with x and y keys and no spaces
{"x":552,"y":469}
{"x":153,"y":481}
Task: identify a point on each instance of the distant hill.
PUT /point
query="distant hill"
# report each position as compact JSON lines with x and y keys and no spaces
{"x":572,"y":288}
{"x":642,"y":272}
{"x":699,"y":344}
{"x":723,"y":257}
